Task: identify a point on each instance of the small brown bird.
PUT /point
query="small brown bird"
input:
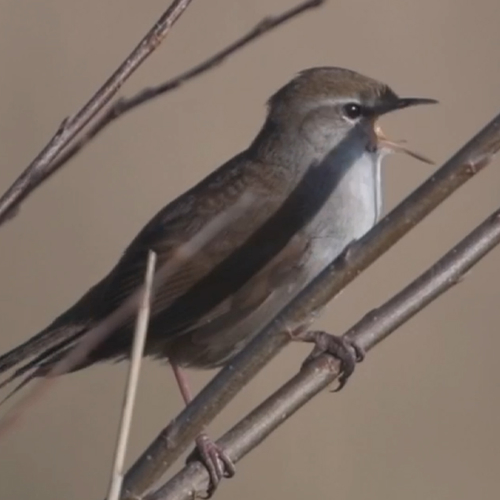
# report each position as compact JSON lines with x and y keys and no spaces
{"x":312,"y":176}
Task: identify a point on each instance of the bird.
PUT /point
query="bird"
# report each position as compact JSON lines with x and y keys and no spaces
{"x":311,"y":179}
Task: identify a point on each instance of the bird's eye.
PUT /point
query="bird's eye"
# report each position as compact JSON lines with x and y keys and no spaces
{"x":352,"y":110}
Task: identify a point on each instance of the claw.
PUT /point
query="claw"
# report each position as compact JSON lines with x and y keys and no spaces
{"x":216,"y":461}
{"x":358,"y":350}
{"x":341,"y":348}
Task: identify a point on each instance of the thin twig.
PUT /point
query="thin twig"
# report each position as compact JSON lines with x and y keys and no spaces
{"x":180,"y":433}
{"x":41,"y":167}
{"x":315,"y":377}
{"x":97,"y":334}
{"x":59,"y":151}
{"x":124,"y":105}
{"x":141,"y":328}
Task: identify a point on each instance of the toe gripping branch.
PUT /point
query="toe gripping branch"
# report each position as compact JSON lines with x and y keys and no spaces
{"x":343,"y":349}
{"x":216,"y":461}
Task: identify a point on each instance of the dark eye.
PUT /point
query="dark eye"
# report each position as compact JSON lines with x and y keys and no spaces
{"x":353,"y":110}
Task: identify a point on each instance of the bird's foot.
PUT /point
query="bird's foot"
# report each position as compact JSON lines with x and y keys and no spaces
{"x":345,"y":350}
{"x":215,"y":459}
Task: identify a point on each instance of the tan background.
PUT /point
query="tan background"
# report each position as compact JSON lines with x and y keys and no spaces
{"x":419,"y":419}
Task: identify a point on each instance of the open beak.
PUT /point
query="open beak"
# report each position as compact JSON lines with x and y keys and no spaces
{"x":380,"y":140}
{"x":396,"y":147}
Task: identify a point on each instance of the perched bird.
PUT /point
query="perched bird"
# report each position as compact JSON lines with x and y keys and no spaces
{"x":313,"y":184}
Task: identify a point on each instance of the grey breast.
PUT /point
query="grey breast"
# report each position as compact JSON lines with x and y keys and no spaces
{"x":351,"y":209}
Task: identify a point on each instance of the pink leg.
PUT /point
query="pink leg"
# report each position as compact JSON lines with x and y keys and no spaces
{"x":183,"y":384}
{"x":218,"y":464}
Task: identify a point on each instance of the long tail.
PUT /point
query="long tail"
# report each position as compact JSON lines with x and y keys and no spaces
{"x":39,"y":354}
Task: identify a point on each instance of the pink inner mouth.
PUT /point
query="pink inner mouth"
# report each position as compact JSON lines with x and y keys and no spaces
{"x":397,"y":147}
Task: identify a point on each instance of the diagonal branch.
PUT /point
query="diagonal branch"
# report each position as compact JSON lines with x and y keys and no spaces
{"x":123,"y":106}
{"x":41,"y":167}
{"x":177,"y":436}
{"x":316,"y":376}
{"x":61,"y":148}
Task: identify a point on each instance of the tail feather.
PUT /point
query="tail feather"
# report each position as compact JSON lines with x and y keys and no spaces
{"x":25,"y":381}
{"x":39,"y":353}
{"x":40,"y":366}
{"x":35,"y":345}
{"x":23,"y":351}
{"x":41,"y":360}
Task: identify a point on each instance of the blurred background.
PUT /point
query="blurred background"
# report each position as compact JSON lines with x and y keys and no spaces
{"x":419,"y":419}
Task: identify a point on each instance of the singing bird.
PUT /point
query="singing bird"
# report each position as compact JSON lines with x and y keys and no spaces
{"x":312,"y":183}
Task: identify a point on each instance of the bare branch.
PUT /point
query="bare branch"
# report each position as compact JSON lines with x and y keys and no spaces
{"x":141,"y":328}
{"x":178,"y":435}
{"x":59,"y":151}
{"x":316,"y":376}
{"x":41,"y":167}
{"x":122,"y":106}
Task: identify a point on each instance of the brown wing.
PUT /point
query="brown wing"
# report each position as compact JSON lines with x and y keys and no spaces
{"x":193,"y":235}
{"x":180,"y":223}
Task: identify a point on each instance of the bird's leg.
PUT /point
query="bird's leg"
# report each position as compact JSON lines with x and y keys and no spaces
{"x":343,"y":349}
{"x":216,"y":461}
